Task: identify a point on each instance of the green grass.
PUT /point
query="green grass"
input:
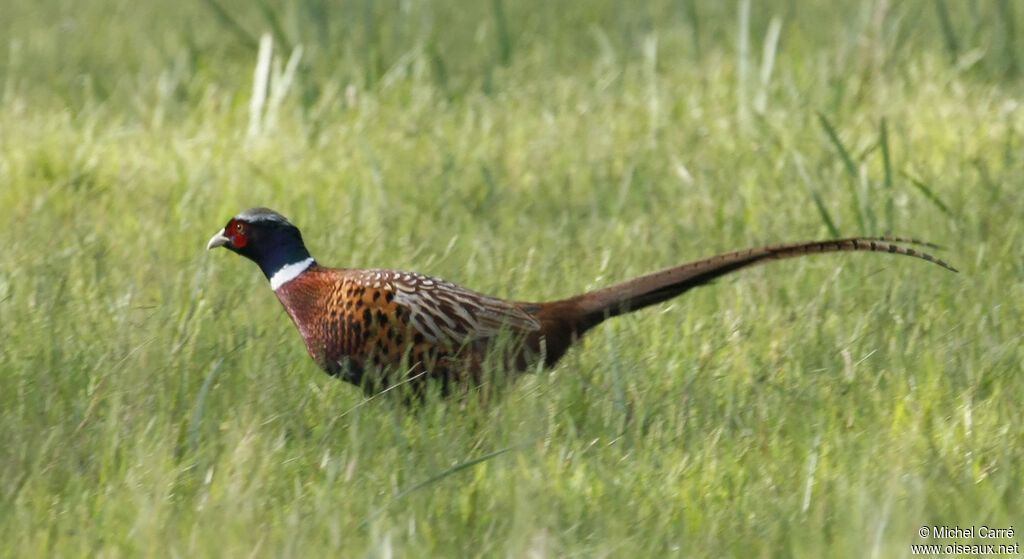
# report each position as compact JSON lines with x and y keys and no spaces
{"x":156,"y":401}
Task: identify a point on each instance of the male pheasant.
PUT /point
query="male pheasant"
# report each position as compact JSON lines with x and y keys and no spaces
{"x":379,"y":328}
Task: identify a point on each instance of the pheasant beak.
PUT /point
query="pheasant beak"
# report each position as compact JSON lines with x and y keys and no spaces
{"x":218,"y":240}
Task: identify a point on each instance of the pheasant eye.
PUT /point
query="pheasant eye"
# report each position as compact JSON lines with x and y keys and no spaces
{"x":238,"y":236}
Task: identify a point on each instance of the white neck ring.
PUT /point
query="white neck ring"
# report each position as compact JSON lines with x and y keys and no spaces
{"x":289,"y":272}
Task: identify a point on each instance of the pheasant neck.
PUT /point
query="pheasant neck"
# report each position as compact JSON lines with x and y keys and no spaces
{"x":288,"y":272}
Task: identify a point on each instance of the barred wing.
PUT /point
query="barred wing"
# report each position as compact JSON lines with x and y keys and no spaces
{"x":446,"y":313}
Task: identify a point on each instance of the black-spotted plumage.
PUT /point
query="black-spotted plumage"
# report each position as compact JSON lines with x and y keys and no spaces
{"x":377,"y":328}
{"x":355,"y":320}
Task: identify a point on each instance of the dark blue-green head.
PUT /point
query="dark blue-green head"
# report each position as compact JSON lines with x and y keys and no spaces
{"x":268,"y":239}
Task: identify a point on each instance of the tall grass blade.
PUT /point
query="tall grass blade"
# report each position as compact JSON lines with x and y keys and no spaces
{"x":651,"y":74}
{"x":826,"y":218}
{"x":280,"y":84}
{"x":373,"y":64}
{"x":742,"y":60}
{"x":260,"y":82}
{"x":197,"y":413}
{"x":948,"y":33}
{"x":849,"y":165}
{"x":887,"y":169}
{"x":1009,"y":50}
{"x":823,"y":212}
{"x":771,"y":45}
{"x":694,"y":18}
{"x":812,"y":469}
{"x":501,"y":29}
{"x":232,"y":25}
{"x":865,"y":194}
{"x":438,"y":477}
{"x":618,"y":387}
{"x":275,"y":25}
{"x":930,"y":195}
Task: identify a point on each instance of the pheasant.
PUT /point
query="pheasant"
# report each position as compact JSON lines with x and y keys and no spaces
{"x":380,"y":328}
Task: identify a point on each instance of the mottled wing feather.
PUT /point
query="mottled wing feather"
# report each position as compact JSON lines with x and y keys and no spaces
{"x":446,"y":313}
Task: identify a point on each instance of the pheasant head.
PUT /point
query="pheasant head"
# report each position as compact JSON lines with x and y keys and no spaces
{"x":268,"y":239}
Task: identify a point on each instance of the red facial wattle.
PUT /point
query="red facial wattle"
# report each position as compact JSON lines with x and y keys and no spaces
{"x":236,"y":231}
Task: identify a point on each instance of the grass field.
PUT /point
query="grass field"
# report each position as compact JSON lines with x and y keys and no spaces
{"x":156,"y":401}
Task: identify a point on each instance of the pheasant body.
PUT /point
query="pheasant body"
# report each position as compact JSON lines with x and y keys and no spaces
{"x":355,"y":320}
{"x":377,"y":328}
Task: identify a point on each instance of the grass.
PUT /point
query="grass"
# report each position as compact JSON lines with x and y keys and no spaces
{"x":155,"y":400}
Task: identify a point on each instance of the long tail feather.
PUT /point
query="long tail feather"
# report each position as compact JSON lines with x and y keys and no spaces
{"x":656,"y":287}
